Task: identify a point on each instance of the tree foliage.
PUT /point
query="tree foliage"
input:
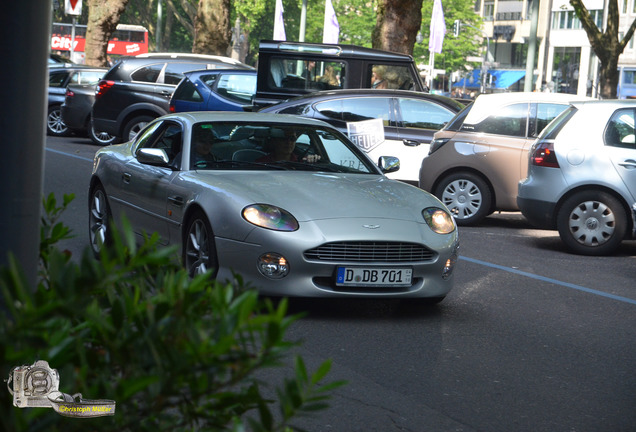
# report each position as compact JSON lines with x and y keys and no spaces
{"x":174,"y":353}
{"x":606,"y":45}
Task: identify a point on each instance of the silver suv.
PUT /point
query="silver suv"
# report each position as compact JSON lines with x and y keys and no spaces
{"x":477,"y":159}
{"x":582,"y":177}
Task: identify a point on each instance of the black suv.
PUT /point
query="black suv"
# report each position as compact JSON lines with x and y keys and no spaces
{"x":288,"y":69}
{"x":137,"y":89}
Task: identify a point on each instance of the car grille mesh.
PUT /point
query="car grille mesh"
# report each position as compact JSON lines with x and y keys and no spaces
{"x":370,"y":252}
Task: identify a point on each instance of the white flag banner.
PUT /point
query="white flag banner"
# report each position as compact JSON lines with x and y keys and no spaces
{"x":331,"y":29}
{"x":438,"y":28}
{"x":279,"y":24}
{"x":73,"y":7}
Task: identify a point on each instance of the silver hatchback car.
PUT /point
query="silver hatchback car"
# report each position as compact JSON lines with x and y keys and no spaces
{"x":582,"y":177}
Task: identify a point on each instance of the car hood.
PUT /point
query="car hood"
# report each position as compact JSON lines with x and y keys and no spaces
{"x":312,"y":196}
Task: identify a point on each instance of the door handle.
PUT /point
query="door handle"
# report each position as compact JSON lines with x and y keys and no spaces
{"x":410,"y":143}
{"x":126,"y":178}
{"x":629,"y":164}
{"x":176,"y":200}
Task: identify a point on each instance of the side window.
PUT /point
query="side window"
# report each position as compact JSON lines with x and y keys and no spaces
{"x":187,"y":91}
{"x":174,"y":71}
{"x":358,"y":109}
{"x":383,"y":76}
{"x":545,"y":113}
{"x":620,"y":130}
{"x":57,"y":79}
{"x":86,"y":77}
{"x":148,"y":73}
{"x":306,"y":75}
{"x":511,"y":120}
{"x":422,"y":114}
{"x":166,"y":136}
{"x":239,"y":88}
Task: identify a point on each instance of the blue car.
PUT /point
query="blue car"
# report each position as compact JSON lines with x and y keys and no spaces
{"x":215,"y":90}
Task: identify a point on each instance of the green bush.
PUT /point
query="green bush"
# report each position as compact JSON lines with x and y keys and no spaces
{"x":174,"y":353}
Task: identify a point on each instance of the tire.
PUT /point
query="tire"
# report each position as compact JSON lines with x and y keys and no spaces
{"x":101,"y":138}
{"x":199,"y":250}
{"x":99,"y":220}
{"x":54,"y":124}
{"x":592,"y":223}
{"x":467,"y":196}
{"x":134,"y":126}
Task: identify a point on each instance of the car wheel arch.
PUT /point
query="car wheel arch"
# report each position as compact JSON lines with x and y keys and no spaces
{"x":594,"y":188}
{"x":136,"y":111}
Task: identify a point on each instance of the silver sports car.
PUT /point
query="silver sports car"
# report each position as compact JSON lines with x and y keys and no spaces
{"x":289,"y":203}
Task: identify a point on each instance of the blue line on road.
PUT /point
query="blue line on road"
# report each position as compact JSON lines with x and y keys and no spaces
{"x":549,"y":280}
{"x":70,"y":154}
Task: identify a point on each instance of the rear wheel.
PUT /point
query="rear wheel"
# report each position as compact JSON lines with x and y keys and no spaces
{"x":99,"y":220}
{"x":134,"y":126}
{"x":466,"y":195}
{"x":592,"y":223}
{"x":199,"y":250}
{"x":54,"y":124}
{"x":100,"y":138}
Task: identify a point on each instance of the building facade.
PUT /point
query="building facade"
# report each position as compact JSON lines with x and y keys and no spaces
{"x":565,"y":62}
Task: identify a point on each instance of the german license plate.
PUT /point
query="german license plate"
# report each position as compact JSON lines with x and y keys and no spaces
{"x":373,"y":276}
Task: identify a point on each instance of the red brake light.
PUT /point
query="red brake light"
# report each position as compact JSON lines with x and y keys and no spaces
{"x":543,"y":155}
{"x":103,"y":86}
{"x":69,"y":93}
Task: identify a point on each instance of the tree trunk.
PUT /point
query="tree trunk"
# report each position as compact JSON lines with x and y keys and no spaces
{"x":103,"y":17}
{"x":397,"y":24}
{"x":212,"y":32}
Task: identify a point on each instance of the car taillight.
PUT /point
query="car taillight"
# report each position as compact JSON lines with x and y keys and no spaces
{"x":102,"y":87}
{"x":543,"y":155}
{"x":171,"y":108}
{"x":69,"y":93}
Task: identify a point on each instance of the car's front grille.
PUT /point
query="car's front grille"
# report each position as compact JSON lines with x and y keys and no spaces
{"x":393,"y":252}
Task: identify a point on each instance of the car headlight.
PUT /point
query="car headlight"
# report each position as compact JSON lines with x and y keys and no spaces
{"x":439,"y":220}
{"x":270,"y":217}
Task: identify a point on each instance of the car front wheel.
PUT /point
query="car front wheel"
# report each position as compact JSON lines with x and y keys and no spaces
{"x":466,"y":195}
{"x":134,"y":126}
{"x":199,"y":250}
{"x":99,"y":219}
{"x":592,"y":223}
{"x":54,"y":124}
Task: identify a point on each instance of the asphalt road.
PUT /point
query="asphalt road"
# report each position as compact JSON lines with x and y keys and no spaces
{"x":531,"y":338}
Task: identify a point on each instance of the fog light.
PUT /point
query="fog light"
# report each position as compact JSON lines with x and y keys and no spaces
{"x":273,"y":266}
{"x":447,"y":271}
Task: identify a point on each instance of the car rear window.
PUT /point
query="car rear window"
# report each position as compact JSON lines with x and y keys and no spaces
{"x":620,"y":130}
{"x":357,"y":109}
{"x":148,"y":73}
{"x":187,"y":91}
{"x":511,"y":120}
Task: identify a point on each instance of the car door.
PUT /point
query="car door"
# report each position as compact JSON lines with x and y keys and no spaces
{"x":418,"y":120}
{"x":620,"y":145}
{"x":348,"y":112}
{"x":145,"y":189}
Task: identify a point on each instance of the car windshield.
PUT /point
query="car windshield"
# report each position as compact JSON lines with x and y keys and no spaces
{"x":268,"y":146}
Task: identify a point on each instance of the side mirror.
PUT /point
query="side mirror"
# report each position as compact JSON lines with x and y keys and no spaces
{"x":388,"y":164}
{"x":153,"y":156}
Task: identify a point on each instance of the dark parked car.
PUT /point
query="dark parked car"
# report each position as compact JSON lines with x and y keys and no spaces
{"x":76,"y":113}
{"x":409,"y":118}
{"x":59,"y":79}
{"x":137,"y":89}
{"x":215,"y":90}
{"x":289,"y":69}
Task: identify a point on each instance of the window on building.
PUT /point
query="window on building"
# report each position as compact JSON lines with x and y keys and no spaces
{"x":489,"y":10}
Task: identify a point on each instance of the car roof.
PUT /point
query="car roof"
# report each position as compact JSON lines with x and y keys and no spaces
{"x":244,"y":116}
{"x":487,"y":104}
{"x":331,"y":50}
{"x":190,"y":56}
{"x":333,"y":94}
{"x":220,"y":71}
